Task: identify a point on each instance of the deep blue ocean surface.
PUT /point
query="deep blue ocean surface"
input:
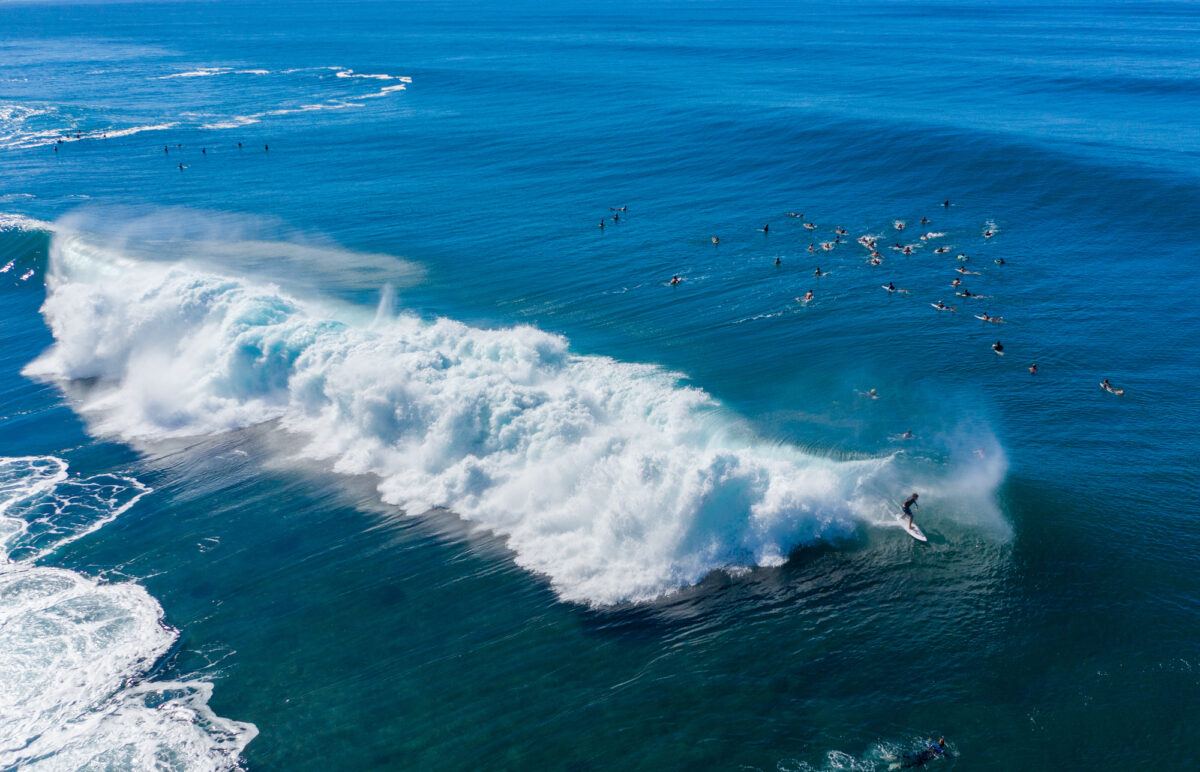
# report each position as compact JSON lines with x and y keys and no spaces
{"x":337,"y":434}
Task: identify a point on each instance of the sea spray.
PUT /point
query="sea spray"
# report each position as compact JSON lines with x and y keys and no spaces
{"x":609,"y":478}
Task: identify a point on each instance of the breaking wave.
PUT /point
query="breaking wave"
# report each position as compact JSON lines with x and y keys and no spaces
{"x":611,"y":479}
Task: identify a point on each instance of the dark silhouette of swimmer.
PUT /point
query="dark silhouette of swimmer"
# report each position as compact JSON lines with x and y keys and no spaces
{"x":266,"y":148}
{"x":239,"y":146}
{"x":779,"y":261}
{"x":946,"y":203}
{"x":166,"y":150}
{"x":934,"y":750}
{"x":203,"y":151}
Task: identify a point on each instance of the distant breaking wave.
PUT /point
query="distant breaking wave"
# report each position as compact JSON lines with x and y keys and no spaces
{"x":75,"y":651}
{"x":609,"y":478}
{"x":28,"y":126}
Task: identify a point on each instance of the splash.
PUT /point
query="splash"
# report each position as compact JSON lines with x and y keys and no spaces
{"x":609,"y":478}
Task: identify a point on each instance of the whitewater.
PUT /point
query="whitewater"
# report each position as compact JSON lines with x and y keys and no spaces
{"x":613,"y":480}
{"x":76,"y":652}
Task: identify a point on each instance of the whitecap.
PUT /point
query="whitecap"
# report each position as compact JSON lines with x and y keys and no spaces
{"x":610,"y":479}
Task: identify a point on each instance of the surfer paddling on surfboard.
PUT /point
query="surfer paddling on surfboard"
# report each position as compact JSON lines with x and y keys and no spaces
{"x":932,"y":750}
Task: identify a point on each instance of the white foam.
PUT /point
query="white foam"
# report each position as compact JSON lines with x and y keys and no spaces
{"x":31,"y":139}
{"x":19,"y":222}
{"x":348,"y":73}
{"x":16,"y":134}
{"x":199,"y":72}
{"x":74,"y":650}
{"x":609,"y":478}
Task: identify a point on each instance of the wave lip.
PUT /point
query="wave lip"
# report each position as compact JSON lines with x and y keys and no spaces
{"x":610,"y":479}
{"x":74,"y":650}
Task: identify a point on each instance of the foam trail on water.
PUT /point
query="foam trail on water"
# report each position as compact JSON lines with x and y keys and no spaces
{"x":609,"y":478}
{"x":74,"y":650}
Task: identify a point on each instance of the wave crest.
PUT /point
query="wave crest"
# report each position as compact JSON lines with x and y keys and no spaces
{"x":609,"y":478}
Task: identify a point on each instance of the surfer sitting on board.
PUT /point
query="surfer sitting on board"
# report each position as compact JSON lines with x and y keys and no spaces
{"x":909,"y":503}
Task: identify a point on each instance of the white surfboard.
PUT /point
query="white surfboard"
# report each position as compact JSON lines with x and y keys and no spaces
{"x":911,"y":529}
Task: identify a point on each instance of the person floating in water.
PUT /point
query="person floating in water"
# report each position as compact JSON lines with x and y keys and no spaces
{"x":946,"y":203}
{"x":166,"y":150}
{"x":766,"y":228}
{"x":600,"y":225}
{"x":908,"y":435}
{"x":676,"y":279}
{"x":266,"y":148}
{"x":998,"y":347}
{"x":906,"y":508}
{"x":924,"y":220}
{"x":817,"y":272}
{"x":716,"y":240}
{"x":779,"y":261}
{"x":180,"y":167}
{"x":1033,"y":369}
{"x":203,"y":151}
{"x":932,"y":750}
{"x":616,"y":217}
{"x":891,"y":287}
{"x":1104,"y":384}
{"x":239,"y":146}
{"x":999,"y":261}
{"x":807,"y":296}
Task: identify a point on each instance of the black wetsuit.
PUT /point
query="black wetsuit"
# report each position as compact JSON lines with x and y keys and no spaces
{"x":921,"y":758}
{"x":908,"y":505}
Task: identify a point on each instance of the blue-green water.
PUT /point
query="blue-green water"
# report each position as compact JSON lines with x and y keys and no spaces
{"x":421,"y":469}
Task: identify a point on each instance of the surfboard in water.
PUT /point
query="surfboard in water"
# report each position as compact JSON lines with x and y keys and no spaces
{"x":911,"y":529}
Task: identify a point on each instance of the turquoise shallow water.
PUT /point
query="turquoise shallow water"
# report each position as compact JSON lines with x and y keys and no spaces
{"x":390,"y":541}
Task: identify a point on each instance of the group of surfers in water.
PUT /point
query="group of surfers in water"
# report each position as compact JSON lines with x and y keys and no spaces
{"x":870,"y":242}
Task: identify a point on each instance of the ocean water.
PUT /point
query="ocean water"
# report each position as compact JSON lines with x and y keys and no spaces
{"x":358,"y":445}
